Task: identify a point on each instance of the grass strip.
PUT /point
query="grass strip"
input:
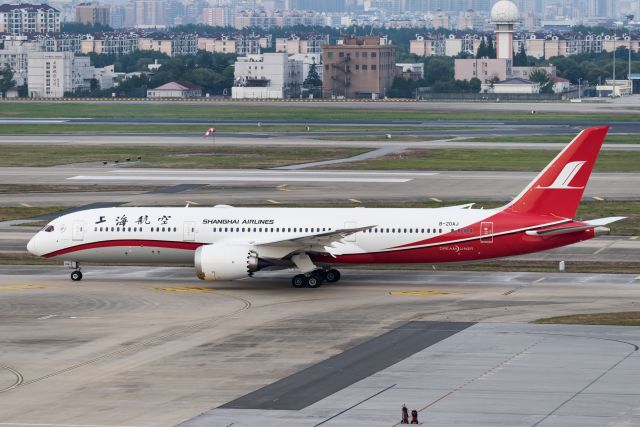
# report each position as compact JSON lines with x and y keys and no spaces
{"x":487,"y":160}
{"x":611,"y":139}
{"x":169,"y":156}
{"x":286,"y":111}
{"x":19,"y":212}
{"x":178,"y":129}
{"x":625,"y":318}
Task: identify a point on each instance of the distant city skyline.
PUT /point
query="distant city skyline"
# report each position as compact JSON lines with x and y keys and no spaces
{"x":419,"y":14}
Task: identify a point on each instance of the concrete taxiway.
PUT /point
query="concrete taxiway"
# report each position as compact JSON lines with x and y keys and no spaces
{"x":210,"y":187}
{"x":142,"y":346}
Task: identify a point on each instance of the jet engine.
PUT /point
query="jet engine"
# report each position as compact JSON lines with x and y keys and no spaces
{"x":226,"y":262}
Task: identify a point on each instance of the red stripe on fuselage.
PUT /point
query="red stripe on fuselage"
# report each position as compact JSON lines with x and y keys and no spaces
{"x":189,"y":246}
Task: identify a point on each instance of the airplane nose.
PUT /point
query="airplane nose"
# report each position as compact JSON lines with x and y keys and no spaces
{"x":31,"y":246}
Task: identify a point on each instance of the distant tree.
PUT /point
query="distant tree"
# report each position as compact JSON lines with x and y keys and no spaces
{"x":313,"y":82}
{"x":482,"y":49}
{"x":491,"y":48}
{"x":475,"y":84}
{"x":6,"y":80}
{"x":520,"y":59}
{"x":543,"y":78}
{"x":439,"y":69}
{"x":80,"y":28}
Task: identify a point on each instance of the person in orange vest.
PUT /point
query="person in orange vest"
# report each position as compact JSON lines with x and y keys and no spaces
{"x":414,"y":417}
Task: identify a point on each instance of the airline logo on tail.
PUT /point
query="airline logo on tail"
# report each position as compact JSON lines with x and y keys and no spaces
{"x":565,"y":177}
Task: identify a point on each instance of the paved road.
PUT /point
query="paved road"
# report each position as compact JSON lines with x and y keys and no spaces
{"x":155,"y":346}
{"x":628,"y":105}
{"x":210,"y":187}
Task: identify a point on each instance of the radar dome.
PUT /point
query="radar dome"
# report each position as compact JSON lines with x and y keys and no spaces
{"x":504,"y":11}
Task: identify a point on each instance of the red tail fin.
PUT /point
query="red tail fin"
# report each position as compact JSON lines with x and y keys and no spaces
{"x":557,"y":190}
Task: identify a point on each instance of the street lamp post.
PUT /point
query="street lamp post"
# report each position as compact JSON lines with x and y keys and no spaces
{"x":613,"y":92}
{"x":579,"y":91}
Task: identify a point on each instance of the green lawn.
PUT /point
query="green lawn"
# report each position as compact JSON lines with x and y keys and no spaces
{"x":611,"y":139}
{"x":11,"y":213}
{"x":93,"y":128}
{"x":169,"y":156}
{"x":287,"y":111}
{"x":488,"y":160}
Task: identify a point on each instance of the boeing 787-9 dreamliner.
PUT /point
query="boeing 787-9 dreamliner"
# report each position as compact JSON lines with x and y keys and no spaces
{"x":226,"y":243}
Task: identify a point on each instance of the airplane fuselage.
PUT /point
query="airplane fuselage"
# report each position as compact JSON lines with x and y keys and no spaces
{"x":171,"y":235}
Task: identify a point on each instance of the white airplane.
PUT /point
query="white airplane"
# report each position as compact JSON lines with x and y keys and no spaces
{"x":226,"y":243}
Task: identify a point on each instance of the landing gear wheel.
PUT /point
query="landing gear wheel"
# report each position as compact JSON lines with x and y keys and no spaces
{"x":299,"y":281}
{"x":332,"y":275}
{"x":314,"y":280}
{"x":76,"y":276}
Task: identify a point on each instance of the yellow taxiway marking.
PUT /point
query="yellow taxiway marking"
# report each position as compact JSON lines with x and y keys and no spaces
{"x":633,"y":238}
{"x":435,"y":199}
{"x":422,"y":293}
{"x":283,"y":187}
{"x":275,"y":202}
{"x":355,"y":200}
{"x":184,"y":289}
{"x":600,"y":199}
{"x":22,"y":287}
{"x":26,"y":205}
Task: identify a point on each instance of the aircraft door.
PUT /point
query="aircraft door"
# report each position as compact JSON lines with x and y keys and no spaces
{"x":77,"y":232}
{"x":189,"y":231}
{"x":351,"y":237}
{"x":486,"y":232}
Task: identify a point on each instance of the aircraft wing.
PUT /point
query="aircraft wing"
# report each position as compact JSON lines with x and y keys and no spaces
{"x":330,"y":242}
{"x":588,"y":225}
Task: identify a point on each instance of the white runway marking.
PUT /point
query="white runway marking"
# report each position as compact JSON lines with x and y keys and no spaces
{"x":266,"y":172}
{"x":279,"y":178}
{"x":47,"y":317}
{"x":62,"y":425}
{"x":30,"y":121}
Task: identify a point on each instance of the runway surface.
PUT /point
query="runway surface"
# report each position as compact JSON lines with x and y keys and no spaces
{"x":621,"y":249}
{"x":330,"y":140}
{"x":149,"y":346}
{"x":272,"y":187}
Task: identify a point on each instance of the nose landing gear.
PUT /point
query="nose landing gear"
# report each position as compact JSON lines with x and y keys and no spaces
{"x":76,"y":274}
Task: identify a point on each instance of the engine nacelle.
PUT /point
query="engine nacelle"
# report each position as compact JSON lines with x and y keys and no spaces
{"x":225,"y":262}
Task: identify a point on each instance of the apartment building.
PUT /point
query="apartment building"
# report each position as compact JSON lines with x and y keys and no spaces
{"x":93,"y":13}
{"x":28,"y":18}
{"x":116,"y":44}
{"x":172,"y":44}
{"x":305,"y":44}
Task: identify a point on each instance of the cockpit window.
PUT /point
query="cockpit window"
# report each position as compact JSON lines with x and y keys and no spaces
{"x":48,"y":229}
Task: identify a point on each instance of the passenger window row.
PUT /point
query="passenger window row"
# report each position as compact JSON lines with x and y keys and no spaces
{"x":135,"y":229}
{"x":270,"y":230}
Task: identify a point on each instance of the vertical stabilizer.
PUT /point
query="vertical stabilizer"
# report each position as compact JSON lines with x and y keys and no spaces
{"x":558,"y":189}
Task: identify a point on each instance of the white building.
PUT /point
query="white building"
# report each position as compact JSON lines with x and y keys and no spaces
{"x":614,"y":88}
{"x":270,"y":75}
{"x":52,"y":74}
{"x":512,"y":86}
{"x":29,"y":18}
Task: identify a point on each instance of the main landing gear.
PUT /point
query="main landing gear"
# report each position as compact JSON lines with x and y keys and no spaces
{"x":315,"y":278}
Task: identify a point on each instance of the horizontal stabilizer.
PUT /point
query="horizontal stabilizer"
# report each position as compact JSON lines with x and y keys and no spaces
{"x":587,"y":225}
